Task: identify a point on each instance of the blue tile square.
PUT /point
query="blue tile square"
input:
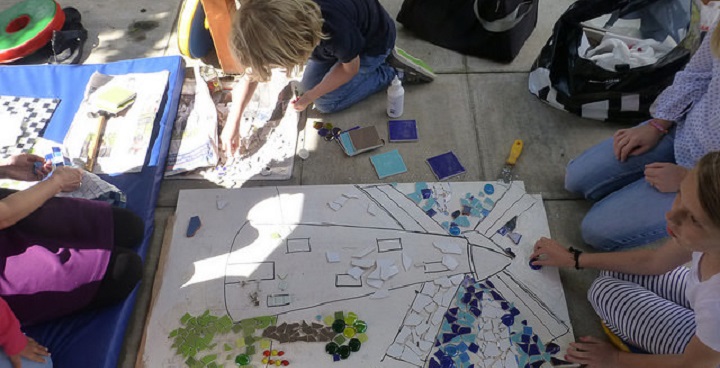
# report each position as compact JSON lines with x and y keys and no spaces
{"x":388,"y":164}
{"x":445,"y":166}
{"x":402,"y":131}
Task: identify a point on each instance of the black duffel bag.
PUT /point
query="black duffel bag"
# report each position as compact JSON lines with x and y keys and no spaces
{"x":493,"y":29}
{"x":566,"y":80}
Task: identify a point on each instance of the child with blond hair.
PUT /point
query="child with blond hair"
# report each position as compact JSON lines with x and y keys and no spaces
{"x":348,"y":46}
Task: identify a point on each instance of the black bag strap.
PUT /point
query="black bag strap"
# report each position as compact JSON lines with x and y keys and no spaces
{"x":506,"y":23}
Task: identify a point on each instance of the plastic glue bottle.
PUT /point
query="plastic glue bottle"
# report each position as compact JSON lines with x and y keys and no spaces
{"x":395,"y":98}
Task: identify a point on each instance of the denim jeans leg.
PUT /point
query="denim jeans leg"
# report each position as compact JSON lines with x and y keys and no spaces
{"x":629,"y":217}
{"x":314,"y":73}
{"x":597,"y":173}
{"x":374,"y":75}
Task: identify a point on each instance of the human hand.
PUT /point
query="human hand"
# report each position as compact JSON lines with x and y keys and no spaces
{"x":550,"y":253}
{"x":593,"y":353}
{"x":68,"y":178}
{"x":33,"y":352}
{"x":229,"y":140}
{"x":301,"y":103}
{"x":665,"y":176}
{"x":22,"y":167}
{"x":635,"y":141}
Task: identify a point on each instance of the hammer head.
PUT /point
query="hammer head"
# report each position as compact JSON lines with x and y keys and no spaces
{"x":109,"y":101}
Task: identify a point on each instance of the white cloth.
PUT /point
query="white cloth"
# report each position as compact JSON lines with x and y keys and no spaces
{"x":704,"y":298}
{"x":614,"y":51}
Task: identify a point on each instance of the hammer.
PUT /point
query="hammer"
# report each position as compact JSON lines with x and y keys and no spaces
{"x":108,"y":103}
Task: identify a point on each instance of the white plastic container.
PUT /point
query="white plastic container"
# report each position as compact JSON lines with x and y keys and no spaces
{"x":395,"y":98}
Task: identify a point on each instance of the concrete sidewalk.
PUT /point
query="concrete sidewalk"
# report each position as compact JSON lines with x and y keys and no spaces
{"x":475,"y":108}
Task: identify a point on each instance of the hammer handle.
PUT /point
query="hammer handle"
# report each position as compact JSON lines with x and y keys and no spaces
{"x":95,"y":143}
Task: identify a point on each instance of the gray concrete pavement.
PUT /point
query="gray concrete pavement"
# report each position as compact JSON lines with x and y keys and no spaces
{"x":475,"y":108}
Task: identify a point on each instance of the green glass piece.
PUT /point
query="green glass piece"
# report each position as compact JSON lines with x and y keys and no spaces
{"x":339,"y":315}
{"x":344,"y":352}
{"x":213,"y":365}
{"x":191,"y":362}
{"x":338,"y":326}
{"x":209,"y":358}
{"x":351,"y":318}
{"x":360,"y":326}
{"x":225,"y":321}
{"x":242,"y":360}
{"x":248,"y":331}
{"x":329,"y":320}
{"x":240,"y":342}
{"x":236,"y":328}
{"x":173,"y":333}
{"x":185,"y":318}
{"x":354,"y":345}
{"x":249,"y":340}
{"x":227,"y":347}
{"x":229,"y":357}
{"x":331,"y":348}
{"x":339,"y":339}
{"x":362,"y":337}
{"x":349,"y":332}
{"x":248,"y":323}
{"x":250,"y":350}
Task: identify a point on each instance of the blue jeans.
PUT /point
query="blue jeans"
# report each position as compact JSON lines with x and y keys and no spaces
{"x":374,"y":75}
{"x":5,"y":362}
{"x":628,"y":212}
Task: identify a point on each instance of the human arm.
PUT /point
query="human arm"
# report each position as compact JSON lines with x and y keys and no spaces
{"x":340,"y":74}
{"x":637,"y":262}
{"x":596,"y":353}
{"x":241,"y":95}
{"x":15,"y":344}
{"x":17,"y":206}
{"x":689,"y":85}
{"x":22,"y":167}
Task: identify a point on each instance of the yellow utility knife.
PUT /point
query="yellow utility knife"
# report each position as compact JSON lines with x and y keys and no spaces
{"x":515,"y":151}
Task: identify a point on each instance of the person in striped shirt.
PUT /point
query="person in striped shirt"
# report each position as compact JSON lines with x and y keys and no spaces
{"x":648,"y":297}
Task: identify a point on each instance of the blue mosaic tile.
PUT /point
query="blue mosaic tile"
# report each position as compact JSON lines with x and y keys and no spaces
{"x":414,"y":197}
{"x":464,"y":357}
{"x":462,"y":221}
{"x":552,"y":348}
{"x":426,"y":193}
{"x":462,"y":347}
{"x":474,"y":348}
{"x":431,"y":212}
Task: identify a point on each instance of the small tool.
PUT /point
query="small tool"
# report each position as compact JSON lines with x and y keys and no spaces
{"x":108,"y":103}
{"x":515,"y":151}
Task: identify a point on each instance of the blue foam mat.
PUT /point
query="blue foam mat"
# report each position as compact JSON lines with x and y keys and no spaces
{"x":94,"y":339}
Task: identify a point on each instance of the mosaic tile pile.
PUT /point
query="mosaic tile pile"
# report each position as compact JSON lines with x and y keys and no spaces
{"x":350,"y":335}
{"x":416,"y":337}
{"x":482,"y":329}
{"x":434,"y":200}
